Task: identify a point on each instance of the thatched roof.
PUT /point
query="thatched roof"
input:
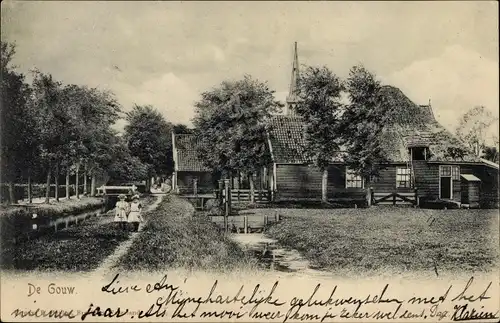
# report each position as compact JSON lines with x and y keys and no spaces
{"x":415,"y":126}
{"x":410,"y":125}
{"x":185,"y":156}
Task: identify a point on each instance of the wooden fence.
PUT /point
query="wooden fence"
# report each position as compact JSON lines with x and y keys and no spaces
{"x":395,"y":198}
{"x":37,"y":191}
{"x":243,"y":195}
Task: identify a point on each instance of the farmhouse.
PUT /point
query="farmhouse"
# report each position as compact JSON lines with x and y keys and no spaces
{"x":189,"y":171}
{"x":426,"y":161}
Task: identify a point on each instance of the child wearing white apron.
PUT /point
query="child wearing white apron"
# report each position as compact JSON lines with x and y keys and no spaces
{"x":135,"y":216}
{"x":121,"y":211}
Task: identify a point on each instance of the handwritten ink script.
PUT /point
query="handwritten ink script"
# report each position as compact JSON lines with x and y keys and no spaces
{"x":322,"y":303}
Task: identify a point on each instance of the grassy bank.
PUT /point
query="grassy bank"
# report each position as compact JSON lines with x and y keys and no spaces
{"x":399,"y":239}
{"x":173,"y":238}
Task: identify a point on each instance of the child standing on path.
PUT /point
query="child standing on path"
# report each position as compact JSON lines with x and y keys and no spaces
{"x":135,"y":216}
{"x":121,"y":211}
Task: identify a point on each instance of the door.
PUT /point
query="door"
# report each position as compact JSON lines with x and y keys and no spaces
{"x":445,"y":187}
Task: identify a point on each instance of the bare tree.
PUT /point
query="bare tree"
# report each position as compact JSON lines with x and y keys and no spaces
{"x":472,"y":128}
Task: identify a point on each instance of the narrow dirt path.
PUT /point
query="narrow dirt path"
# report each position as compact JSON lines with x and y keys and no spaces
{"x":108,"y":263}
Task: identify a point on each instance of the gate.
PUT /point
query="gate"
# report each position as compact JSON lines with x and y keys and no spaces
{"x":395,"y":198}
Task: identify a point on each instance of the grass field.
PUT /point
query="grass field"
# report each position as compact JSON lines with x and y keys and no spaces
{"x":381,"y":239}
{"x":173,"y":238}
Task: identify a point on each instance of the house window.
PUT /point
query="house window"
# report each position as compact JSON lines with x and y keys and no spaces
{"x":352,"y":179}
{"x":403,"y":177}
{"x":450,"y":171}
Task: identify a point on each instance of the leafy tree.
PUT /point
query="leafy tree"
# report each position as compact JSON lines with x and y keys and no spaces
{"x":149,"y":138}
{"x":320,"y":106}
{"x":230,"y":123}
{"x":96,"y":110}
{"x":52,"y":116}
{"x":472,"y":128}
{"x":491,"y":153}
{"x":362,"y":123}
{"x":18,"y":138}
{"x":124,"y":166}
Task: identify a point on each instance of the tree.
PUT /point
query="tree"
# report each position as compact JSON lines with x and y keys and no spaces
{"x":230,"y":122}
{"x":149,"y":138}
{"x":124,"y":166}
{"x":48,"y":100}
{"x":19,"y":136}
{"x":491,"y":153}
{"x":472,"y":128}
{"x":320,"y":106}
{"x":362,"y":123}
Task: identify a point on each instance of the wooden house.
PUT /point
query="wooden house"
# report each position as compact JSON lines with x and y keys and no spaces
{"x":426,"y":162}
{"x":190,"y":174}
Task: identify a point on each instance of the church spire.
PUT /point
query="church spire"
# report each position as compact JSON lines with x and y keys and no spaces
{"x":291,"y":100}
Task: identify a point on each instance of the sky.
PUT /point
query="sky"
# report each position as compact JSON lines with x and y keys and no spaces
{"x":167,"y":53}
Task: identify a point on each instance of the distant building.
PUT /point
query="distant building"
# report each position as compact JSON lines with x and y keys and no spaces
{"x":188,"y":169}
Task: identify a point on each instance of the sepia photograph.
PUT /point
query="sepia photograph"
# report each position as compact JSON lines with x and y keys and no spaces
{"x":231,"y":161}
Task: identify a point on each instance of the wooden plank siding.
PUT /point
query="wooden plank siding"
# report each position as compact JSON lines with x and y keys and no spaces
{"x":386,"y":181}
{"x":303,"y":181}
{"x":427,"y":181}
{"x":488,"y":189}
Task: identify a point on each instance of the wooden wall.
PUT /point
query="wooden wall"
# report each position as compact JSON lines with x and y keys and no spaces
{"x":304,"y":181}
{"x":427,"y":181}
{"x":386,"y":181}
{"x":185,"y":182}
{"x":489,"y":183}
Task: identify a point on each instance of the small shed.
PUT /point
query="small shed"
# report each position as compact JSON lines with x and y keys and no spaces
{"x":470,"y":187}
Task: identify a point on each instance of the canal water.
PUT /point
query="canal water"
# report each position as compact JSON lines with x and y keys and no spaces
{"x":274,"y":257}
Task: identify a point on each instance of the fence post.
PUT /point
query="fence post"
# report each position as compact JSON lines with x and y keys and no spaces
{"x":195,"y":187}
{"x":277,"y":216}
{"x":369,"y":197}
{"x":394,"y":198}
{"x":245,"y":224}
{"x":417,"y":201}
{"x":227,"y":191}
{"x":221,"y":189}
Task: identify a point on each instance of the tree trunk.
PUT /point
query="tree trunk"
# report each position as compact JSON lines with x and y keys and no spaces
{"x":252,"y":190}
{"x":30,"y":197}
{"x":47,"y":190}
{"x":324,"y":186}
{"x":56,"y":180}
{"x":92,"y":185}
{"x":77,"y":182}
{"x":67,"y":183}
{"x":85,"y":179}
{"x":12,"y":197}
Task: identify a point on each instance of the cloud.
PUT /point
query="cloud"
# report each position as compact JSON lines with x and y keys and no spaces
{"x":455,"y":81}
